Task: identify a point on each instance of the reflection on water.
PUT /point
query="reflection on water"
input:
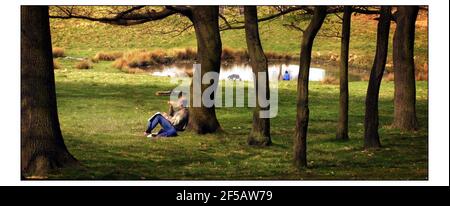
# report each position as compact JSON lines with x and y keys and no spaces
{"x":244,"y":71}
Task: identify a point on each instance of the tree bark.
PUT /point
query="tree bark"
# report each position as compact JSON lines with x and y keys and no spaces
{"x":42,"y":144}
{"x":342,"y":129}
{"x":260,"y":133}
{"x":203,"y":119}
{"x":403,"y":58}
{"x":309,"y":34}
{"x":371,"y":137}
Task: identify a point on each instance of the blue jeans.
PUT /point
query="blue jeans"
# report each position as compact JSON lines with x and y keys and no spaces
{"x":167,"y":129}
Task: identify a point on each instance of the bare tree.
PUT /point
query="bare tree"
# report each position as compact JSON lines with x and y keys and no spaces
{"x":301,"y":128}
{"x":209,"y":49}
{"x":342,"y":129}
{"x":403,"y":58}
{"x":260,"y":133}
{"x":371,"y":137}
{"x":42,"y":144}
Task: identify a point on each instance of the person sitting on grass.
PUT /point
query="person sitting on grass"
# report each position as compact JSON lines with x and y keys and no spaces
{"x":286,"y":76}
{"x":175,"y":121}
{"x":175,"y":106}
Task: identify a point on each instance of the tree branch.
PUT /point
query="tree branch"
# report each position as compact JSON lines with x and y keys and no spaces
{"x":365,"y":10}
{"x":240,"y":24}
{"x":295,"y":27}
{"x":184,"y":10}
{"x":124,"y":13}
{"x":124,"y":18}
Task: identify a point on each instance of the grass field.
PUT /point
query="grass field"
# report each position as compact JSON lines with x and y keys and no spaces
{"x":103,"y":113}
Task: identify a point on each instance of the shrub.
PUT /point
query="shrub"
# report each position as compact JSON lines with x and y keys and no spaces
{"x":287,"y":57}
{"x":58,"y":52}
{"x":120,"y":63}
{"x":107,"y":56}
{"x":93,"y":60}
{"x":365,"y":77}
{"x":329,"y":80}
{"x":56,"y":64}
{"x":228,"y":54}
{"x":274,"y":56}
{"x":422,"y":76}
{"x":389,"y":76}
{"x":143,"y":58}
{"x":241,"y":55}
{"x":160,"y":57}
{"x":139,"y":59}
{"x":84,"y":64}
{"x":190,"y":53}
{"x":422,"y":73}
{"x":186,"y":54}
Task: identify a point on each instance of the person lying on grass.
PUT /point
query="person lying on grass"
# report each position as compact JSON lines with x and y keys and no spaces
{"x":176,"y":120}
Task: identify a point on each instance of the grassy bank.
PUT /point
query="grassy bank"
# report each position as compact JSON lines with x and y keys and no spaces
{"x":83,"y":38}
{"x":103,"y":113}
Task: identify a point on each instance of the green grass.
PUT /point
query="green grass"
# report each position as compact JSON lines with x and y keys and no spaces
{"x":103,"y":113}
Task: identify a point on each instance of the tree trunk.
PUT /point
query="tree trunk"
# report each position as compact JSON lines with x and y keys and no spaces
{"x":309,"y":34}
{"x":260,"y":134}
{"x":403,"y":57}
{"x":371,"y":137}
{"x":42,"y":144}
{"x":209,"y":49}
{"x":342,"y":129}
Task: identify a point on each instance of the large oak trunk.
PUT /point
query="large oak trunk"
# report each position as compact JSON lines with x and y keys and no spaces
{"x":42,"y":145}
{"x":301,"y":128}
{"x":342,"y":128}
{"x":209,"y":49}
{"x":260,"y":133}
{"x":403,"y":57}
{"x":371,"y":137}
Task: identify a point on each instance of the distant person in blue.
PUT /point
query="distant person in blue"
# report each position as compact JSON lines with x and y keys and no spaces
{"x":286,"y":76}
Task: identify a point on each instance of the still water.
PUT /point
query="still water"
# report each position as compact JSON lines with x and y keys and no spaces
{"x":244,"y":72}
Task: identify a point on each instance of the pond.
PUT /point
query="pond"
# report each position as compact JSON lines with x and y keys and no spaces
{"x":243,"y":71}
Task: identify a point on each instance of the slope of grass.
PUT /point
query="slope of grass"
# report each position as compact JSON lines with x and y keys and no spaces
{"x":103,"y":113}
{"x":85,"y":38}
